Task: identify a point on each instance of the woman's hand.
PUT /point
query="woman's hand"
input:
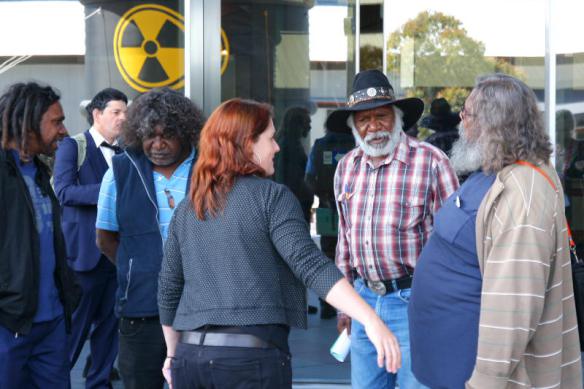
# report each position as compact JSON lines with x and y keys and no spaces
{"x":171,"y":338}
{"x":166,"y":371}
{"x":385,"y":343}
{"x":343,"y":297}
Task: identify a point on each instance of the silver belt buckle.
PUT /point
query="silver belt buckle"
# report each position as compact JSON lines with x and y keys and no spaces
{"x":377,"y":287}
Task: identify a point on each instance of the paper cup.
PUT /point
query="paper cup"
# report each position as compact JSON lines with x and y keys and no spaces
{"x":341,"y":347}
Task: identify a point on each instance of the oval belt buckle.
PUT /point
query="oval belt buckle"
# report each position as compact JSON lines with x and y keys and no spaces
{"x":377,"y":287}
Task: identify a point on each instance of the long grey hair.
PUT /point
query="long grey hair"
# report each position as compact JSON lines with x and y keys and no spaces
{"x":504,"y":111}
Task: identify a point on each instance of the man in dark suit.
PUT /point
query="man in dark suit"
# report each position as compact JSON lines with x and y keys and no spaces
{"x":80,"y":164}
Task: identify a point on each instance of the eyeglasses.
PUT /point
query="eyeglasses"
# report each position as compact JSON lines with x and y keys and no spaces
{"x":169,"y":198}
{"x":464,"y":113}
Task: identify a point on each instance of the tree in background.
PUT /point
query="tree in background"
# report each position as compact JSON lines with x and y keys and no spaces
{"x":445,"y":61}
{"x":371,"y":57}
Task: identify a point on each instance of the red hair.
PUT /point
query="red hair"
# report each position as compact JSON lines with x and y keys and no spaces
{"x":226,"y":152}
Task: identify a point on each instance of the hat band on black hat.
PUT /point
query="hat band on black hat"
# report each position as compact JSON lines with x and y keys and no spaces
{"x":373,"y":93}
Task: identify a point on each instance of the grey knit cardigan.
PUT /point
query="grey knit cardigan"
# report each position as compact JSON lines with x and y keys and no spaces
{"x":246,"y":266}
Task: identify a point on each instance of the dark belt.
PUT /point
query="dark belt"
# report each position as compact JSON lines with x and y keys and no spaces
{"x":388,"y":286}
{"x":134,"y":319}
{"x":219,"y":339}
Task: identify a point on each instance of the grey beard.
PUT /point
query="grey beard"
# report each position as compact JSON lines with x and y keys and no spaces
{"x":466,"y":156}
{"x":379,"y":150}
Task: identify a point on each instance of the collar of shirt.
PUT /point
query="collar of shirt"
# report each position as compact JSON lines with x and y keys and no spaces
{"x":98,"y":138}
{"x":401,"y":153}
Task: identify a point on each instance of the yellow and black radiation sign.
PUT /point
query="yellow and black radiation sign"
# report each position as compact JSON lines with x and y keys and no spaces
{"x":225,"y":51}
{"x":148,"y":47}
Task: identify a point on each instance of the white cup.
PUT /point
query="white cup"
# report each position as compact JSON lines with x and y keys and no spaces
{"x":341,"y":347}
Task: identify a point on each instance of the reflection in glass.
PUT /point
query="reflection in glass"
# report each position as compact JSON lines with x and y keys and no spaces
{"x":438,"y":50}
{"x":570,"y":112}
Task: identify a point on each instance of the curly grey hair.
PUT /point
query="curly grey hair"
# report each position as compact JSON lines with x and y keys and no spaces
{"x":505,"y":114}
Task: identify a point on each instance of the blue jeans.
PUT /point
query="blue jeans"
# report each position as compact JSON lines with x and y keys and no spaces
{"x":36,"y":360}
{"x":393,"y":310}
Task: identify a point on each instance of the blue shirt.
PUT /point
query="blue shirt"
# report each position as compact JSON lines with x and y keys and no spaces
{"x":49,"y":306}
{"x":332,"y":154}
{"x":445,"y":303}
{"x":169,"y":193}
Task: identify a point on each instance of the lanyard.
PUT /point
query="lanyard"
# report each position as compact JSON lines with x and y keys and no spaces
{"x":540,"y":171}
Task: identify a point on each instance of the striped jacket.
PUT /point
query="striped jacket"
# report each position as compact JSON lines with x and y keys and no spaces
{"x":528,"y":336}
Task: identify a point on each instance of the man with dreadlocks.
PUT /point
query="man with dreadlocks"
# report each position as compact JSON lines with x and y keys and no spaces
{"x":37,"y":292}
{"x":137,"y":198}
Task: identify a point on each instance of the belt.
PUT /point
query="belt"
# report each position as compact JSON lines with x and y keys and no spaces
{"x":147,"y":318}
{"x":220,"y":339}
{"x":384,"y":287}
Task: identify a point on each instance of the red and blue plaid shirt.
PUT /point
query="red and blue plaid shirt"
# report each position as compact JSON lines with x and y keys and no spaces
{"x":386,"y":212}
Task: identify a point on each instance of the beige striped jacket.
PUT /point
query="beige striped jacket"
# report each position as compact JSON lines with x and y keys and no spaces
{"x":528,"y":335}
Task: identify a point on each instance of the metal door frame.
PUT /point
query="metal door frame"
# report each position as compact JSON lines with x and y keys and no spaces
{"x":202,"y":53}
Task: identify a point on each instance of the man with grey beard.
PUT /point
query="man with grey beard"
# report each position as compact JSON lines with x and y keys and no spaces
{"x":492,"y":304}
{"x":387,"y":190}
{"x":466,"y":155}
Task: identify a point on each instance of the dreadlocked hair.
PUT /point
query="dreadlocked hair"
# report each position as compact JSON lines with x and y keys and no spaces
{"x":22,"y":107}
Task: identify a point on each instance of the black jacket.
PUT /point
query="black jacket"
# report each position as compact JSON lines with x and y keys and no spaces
{"x":20,"y":246}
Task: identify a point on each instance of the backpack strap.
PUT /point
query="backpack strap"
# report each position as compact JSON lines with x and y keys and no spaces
{"x":81,"y":148}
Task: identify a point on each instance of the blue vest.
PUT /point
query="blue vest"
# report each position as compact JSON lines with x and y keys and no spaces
{"x":140,"y":251}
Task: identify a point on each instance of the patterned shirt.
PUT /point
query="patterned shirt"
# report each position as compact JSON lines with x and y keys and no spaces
{"x":169,"y":193}
{"x":386,"y":212}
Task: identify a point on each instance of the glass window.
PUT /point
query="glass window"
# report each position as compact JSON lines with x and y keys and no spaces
{"x":82,"y":47}
{"x":297,"y":56}
{"x":436,"y":50}
{"x":569,"y":125}
{"x":371,"y":37}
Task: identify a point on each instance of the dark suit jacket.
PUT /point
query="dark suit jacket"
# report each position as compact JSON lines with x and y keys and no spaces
{"x":77,"y":192}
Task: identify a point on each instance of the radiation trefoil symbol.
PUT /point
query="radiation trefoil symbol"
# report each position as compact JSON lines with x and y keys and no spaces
{"x":148,"y":47}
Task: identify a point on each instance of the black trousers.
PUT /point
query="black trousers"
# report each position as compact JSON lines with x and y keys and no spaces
{"x":142,"y":353}
{"x":206,"y":367}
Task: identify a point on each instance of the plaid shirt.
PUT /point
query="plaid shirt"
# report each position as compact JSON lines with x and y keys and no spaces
{"x":386,"y":212}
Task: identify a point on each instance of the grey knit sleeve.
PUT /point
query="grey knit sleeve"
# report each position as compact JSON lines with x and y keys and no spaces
{"x":171,"y":279}
{"x":291,"y":237}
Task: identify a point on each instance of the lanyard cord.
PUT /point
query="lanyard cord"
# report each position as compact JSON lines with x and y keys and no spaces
{"x":540,"y":171}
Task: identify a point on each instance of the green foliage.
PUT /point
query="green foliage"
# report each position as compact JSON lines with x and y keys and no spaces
{"x":371,"y":57}
{"x":424,"y":132}
{"x":445,"y":60}
{"x":454,"y":96}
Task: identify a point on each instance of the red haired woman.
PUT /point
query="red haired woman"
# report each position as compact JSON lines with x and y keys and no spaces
{"x":236,"y":262}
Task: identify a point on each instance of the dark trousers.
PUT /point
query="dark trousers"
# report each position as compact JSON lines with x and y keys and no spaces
{"x":142,"y":353}
{"x":96,"y":310}
{"x":201,"y":367}
{"x":36,"y":360}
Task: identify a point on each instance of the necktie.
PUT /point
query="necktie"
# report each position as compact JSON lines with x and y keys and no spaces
{"x":115,"y":148}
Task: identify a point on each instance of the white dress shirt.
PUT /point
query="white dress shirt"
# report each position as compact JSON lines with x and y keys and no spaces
{"x":99,"y":139}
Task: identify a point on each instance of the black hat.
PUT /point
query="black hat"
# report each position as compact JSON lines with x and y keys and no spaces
{"x":441,"y":118}
{"x":371,"y":89}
